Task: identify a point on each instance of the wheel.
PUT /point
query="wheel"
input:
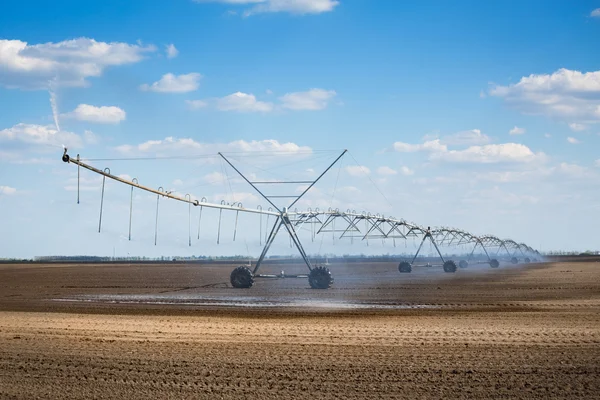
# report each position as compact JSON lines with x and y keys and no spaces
{"x":320,"y":278}
{"x":241,"y":278}
{"x":494,"y":263}
{"x":527,"y":260}
{"x":514,"y":260}
{"x":463,"y":263}
{"x":404,"y":267}
{"x":450,"y":266}
{"x":534,"y":260}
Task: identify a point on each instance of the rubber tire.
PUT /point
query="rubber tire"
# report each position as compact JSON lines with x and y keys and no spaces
{"x":527,"y":260}
{"x":405,"y":267}
{"x":320,"y":278}
{"x":241,"y":278}
{"x":450,"y":266}
{"x":463,"y":263}
{"x":494,"y":263}
{"x":514,"y":260}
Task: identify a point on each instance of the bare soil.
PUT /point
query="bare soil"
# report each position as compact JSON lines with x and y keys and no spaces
{"x":180,"y":331}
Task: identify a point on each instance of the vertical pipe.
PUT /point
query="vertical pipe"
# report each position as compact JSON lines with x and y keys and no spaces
{"x":102,"y":199}
{"x":237,"y":213}
{"x":189,"y":198}
{"x":219,"y":230}
{"x":78,"y":174}
{"x":160,"y":189}
{"x":134,"y":180}
{"x":202,"y":200}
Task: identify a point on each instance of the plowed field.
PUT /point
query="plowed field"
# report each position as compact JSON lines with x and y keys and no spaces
{"x":180,"y":331}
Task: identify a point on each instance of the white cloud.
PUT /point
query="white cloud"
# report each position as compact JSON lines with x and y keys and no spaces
{"x":177,"y":182}
{"x":171,"y":51}
{"x":565,"y":94}
{"x":314,"y":99}
{"x":196,"y":104}
{"x":67,"y":63}
{"x":573,"y":140}
{"x":575,"y":127}
{"x":517,"y":131}
{"x":170,"y":83}
{"x":101,"y":115}
{"x":386,"y":171}
{"x":597,"y":163}
{"x":40,"y":135}
{"x":171,"y":145}
{"x":595,"y":13}
{"x":428,"y":146}
{"x":547,"y":135}
{"x":491,"y":153}
{"x":243,"y":102}
{"x":299,"y":7}
{"x":357,"y":170}
{"x":470,"y":137}
{"x":7,"y":190}
{"x":406,"y":171}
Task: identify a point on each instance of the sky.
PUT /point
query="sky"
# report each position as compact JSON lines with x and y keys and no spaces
{"x":479,"y":115}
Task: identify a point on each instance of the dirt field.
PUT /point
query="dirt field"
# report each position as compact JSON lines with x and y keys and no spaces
{"x":179,"y":331}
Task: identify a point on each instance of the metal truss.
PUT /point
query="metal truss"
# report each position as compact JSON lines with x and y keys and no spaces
{"x":348,"y":225}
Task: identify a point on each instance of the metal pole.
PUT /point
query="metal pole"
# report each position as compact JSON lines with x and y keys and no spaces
{"x":272,"y":235}
{"x":317,"y":180}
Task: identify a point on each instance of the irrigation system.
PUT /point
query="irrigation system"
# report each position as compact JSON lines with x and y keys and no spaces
{"x":349,"y":225}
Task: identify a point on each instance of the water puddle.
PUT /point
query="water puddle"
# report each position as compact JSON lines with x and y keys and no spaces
{"x":242,"y":302}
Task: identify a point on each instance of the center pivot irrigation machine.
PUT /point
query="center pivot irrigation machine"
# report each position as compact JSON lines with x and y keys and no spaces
{"x":348,"y":225}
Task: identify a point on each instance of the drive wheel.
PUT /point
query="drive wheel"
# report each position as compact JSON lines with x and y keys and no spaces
{"x":494,"y":263}
{"x":527,"y":260}
{"x":320,"y":278}
{"x":404,"y":267}
{"x":450,"y":266}
{"x":241,"y":278}
{"x":514,"y":260}
{"x":463,"y":263}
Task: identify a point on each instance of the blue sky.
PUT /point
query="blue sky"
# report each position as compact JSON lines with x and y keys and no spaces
{"x":480,"y":115}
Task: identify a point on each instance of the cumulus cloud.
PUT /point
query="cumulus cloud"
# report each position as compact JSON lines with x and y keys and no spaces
{"x":298,"y":7}
{"x":428,"y":146}
{"x":573,"y":140}
{"x":101,"y":115}
{"x":314,"y":99}
{"x":171,"y":145}
{"x":517,"y":131}
{"x":39,"y":135}
{"x":170,"y":83}
{"x":7,"y":190}
{"x":357,"y":170}
{"x":67,"y":63}
{"x":386,"y":171}
{"x":243,"y":102}
{"x":575,"y":127}
{"x":171,"y":51}
{"x":595,"y":13}
{"x":564,"y":94}
{"x":490,"y":153}
{"x":597,"y":163}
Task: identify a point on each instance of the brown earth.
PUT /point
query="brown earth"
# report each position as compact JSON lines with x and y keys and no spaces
{"x":180,"y":331}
